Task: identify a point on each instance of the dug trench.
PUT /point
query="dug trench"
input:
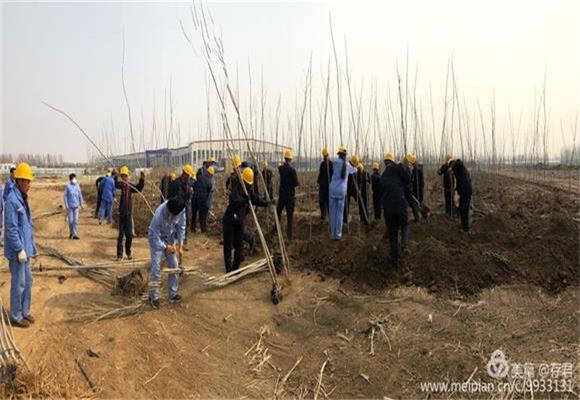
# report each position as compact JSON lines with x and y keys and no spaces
{"x":348,"y":327}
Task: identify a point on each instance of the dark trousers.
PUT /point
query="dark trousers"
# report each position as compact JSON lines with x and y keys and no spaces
{"x":464,"y":202}
{"x":396,"y":222}
{"x":187,"y":212}
{"x":199,"y":207}
{"x":98,"y":204}
{"x":377,"y":206}
{"x":250,"y":238}
{"x":233,"y":232}
{"x":287,"y":204}
{"x":323,"y":202}
{"x":125,"y":230}
{"x":448,"y":202}
{"x":347,"y":207}
{"x":270,"y":191}
{"x":363,"y":209}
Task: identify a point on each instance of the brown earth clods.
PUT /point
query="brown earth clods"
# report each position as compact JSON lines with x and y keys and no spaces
{"x":511,"y":285}
{"x":517,"y":236}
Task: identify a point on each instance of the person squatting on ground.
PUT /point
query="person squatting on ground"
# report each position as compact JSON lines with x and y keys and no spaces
{"x":377,"y":193}
{"x":107,"y":189}
{"x":448,"y":183}
{"x":464,"y":190}
{"x":395,"y":185}
{"x":19,"y":246}
{"x":324,"y":176}
{"x":234,"y":218}
{"x":341,"y":170}
{"x":201,"y":201}
{"x":73,"y":203}
{"x":287,"y":192}
{"x":362,"y":179}
{"x":126,"y":210}
{"x":168,"y":225}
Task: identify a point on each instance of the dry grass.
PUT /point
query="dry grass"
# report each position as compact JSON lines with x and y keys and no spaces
{"x":41,"y":383}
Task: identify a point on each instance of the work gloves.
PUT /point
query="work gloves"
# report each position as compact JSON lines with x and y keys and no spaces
{"x":22,"y":257}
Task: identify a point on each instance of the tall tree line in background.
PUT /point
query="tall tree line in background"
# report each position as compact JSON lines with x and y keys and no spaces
{"x":38,"y":160}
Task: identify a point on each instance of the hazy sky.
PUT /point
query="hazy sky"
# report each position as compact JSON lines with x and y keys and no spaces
{"x":69,"y":55}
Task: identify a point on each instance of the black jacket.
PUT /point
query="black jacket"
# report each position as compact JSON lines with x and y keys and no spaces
{"x":462,"y":177}
{"x":362,"y":178}
{"x":376,"y":185}
{"x":445,"y":170}
{"x":180,"y":187}
{"x":288,"y":181}
{"x":350,"y":188}
{"x":267,"y":173}
{"x":164,"y":186}
{"x":98,"y":183}
{"x":127,"y":189}
{"x":418,"y":182}
{"x":395,"y":185}
{"x":324,"y":175}
{"x":239,"y":202}
{"x":202,"y":187}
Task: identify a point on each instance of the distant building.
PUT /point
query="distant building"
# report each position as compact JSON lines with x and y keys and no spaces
{"x":198,"y":151}
{"x":5,"y":168}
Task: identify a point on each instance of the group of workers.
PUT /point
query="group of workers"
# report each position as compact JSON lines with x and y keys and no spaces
{"x":397,"y":188}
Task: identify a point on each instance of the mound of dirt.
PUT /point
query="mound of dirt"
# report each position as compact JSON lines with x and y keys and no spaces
{"x":509,"y":243}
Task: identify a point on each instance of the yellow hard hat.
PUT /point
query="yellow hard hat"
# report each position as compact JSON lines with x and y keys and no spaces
{"x":354,"y":160}
{"x":376,"y":165}
{"x":173,"y":176}
{"x":188,"y":169}
{"x":211,"y":171}
{"x":325,"y":152}
{"x":411,"y":158}
{"x":236,"y":161}
{"x":389,"y":157}
{"x":448,"y":158}
{"x":23,"y":171}
{"x":288,"y":154}
{"x":212,"y":159}
{"x":360,"y":166}
{"x":342,"y":149}
{"x":124,"y":170}
{"x":248,"y":176}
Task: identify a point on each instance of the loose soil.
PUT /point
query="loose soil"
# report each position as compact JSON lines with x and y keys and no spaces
{"x":511,"y":285}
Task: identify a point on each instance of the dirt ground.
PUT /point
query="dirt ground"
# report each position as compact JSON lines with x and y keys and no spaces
{"x":511,"y":285}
